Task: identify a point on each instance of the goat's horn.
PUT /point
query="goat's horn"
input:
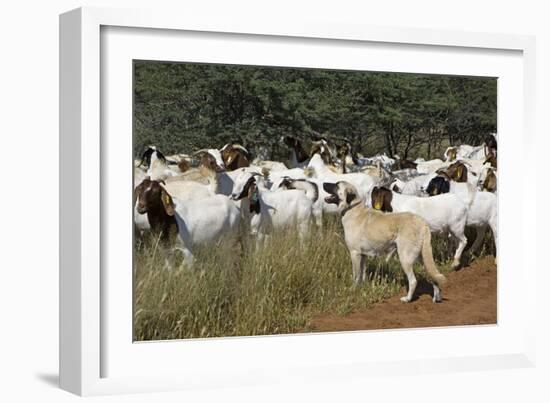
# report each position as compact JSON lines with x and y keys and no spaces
{"x":240,"y":147}
{"x":202,"y":150}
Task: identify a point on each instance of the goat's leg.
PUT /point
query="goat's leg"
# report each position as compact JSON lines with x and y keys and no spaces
{"x":462,"y":242}
{"x":480,"y":237}
{"x":303,"y":232}
{"x":318,"y":215}
{"x":186,"y":251}
{"x":188,"y":257}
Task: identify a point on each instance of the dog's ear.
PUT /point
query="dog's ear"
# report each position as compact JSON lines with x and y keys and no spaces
{"x":350,"y":196}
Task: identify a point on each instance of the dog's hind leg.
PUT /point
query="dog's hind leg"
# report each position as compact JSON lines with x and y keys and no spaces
{"x":363,"y":268}
{"x":407,"y":265}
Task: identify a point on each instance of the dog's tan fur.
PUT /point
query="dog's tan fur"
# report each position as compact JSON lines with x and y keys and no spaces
{"x":369,"y":232}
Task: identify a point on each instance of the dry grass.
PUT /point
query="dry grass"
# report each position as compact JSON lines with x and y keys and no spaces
{"x":236,"y":290}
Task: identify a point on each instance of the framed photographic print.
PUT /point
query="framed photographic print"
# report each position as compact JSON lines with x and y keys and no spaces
{"x":237,"y":197}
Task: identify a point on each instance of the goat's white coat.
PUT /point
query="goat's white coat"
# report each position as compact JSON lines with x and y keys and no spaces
{"x":361,"y":181}
{"x":428,"y":167}
{"x":203,"y":220}
{"x":277,"y":209}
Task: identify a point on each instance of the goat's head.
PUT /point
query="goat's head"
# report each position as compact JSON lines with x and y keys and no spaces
{"x":341,"y":193}
{"x":322,"y":148}
{"x":295,"y":145}
{"x":346,"y":150}
{"x":490,"y":143}
{"x":148,"y":153}
{"x":457,"y":171}
{"x":397,"y":185}
{"x":152,"y":198}
{"x":450,"y":154}
{"x":286,"y":183}
{"x":242,"y":184}
{"x":381,"y":198}
{"x":488,"y":179}
{"x":245,"y":186}
{"x":211,"y":159}
{"x":438,"y":185}
{"x":235,"y":156}
{"x":290,"y":141}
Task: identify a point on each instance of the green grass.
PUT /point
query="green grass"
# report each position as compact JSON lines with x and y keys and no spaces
{"x":235,"y":290}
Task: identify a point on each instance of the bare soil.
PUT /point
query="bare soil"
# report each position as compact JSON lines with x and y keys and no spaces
{"x":469,"y":298}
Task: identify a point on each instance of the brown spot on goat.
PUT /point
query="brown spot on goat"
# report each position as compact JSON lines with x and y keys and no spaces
{"x":492,"y":160}
{"x":381,"y":198}
{"x":208,"y":161}
{"x":490,"y":182}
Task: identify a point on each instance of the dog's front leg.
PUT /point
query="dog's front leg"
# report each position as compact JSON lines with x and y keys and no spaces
{"x":356,"y":260}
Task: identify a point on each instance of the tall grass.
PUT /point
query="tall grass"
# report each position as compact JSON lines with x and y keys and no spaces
{"x":236,"y":289}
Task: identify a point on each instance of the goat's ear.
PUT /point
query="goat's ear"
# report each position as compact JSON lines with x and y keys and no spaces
{"x":459,"y":172}
{"x":350,"y":196}
{"x":231,"y":157}
{"x":167,"y":202}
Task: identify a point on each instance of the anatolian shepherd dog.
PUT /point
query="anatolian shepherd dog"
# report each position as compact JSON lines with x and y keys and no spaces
{"x":369,"y":232}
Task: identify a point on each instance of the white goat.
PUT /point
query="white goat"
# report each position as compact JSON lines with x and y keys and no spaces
{"x":158,"y":167}
{"x":412,"y":187}
{"x":361,"y":181}
{"x":311,"y":190}
{"x":271,"y":210}
{"x":483,"y":213}
{"x":482,"y":207}
{"x":201,"y":220}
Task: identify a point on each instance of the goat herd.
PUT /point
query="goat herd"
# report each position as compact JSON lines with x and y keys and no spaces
{"x":386,"y":204}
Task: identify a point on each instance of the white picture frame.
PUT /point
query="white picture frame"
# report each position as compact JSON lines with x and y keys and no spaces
{"x":87,"y":342}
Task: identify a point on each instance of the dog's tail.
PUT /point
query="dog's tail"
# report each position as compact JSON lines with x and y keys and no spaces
{"x":428,"y":259}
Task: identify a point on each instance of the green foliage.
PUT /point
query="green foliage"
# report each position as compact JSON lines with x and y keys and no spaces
{"x":181,"y":107}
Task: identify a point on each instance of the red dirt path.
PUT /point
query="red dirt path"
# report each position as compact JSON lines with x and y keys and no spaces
{"x":469,"y":298}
